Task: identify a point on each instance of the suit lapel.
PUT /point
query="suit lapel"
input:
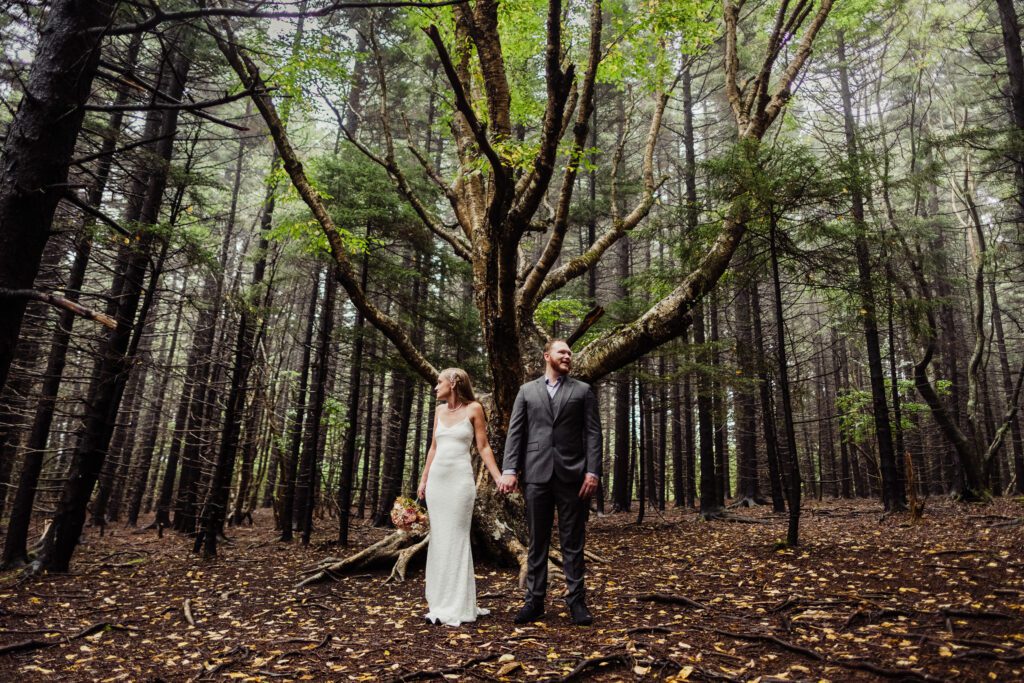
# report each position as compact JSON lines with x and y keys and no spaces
{"x":562,"y":395}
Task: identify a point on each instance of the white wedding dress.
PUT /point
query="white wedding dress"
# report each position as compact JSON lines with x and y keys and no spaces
{"x":451,"y":491}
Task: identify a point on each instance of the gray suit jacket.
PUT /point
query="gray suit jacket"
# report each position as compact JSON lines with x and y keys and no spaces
{"x":558,"y":437}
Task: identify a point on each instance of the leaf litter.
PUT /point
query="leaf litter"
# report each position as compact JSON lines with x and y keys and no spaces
{"x":866,"y":597}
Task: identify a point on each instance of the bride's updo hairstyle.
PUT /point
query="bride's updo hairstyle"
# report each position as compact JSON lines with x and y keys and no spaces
{"x":461,"y":384}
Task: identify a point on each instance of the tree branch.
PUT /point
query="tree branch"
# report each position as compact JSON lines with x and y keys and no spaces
{"x":118,"y":151}
{"x":782,"y":90}
{"x":669,"y":317}
{"x":433,"y":224}
{"x":559,"y":86}
{"x":183,"y":106}
{"x":501,"y":174}
{"x":346,"y":274}
{"x":588,"y":259}
{"x":59,"y":302}
{"x":74,"y":199}
{"x":544,"y":166}
{"x":159,"y":16}
{"x":129,"y":78}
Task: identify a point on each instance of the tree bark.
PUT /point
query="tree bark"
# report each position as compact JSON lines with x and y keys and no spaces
{"x":892,"y":496}
{"x":108,"y":380}
{"x":292,"y":457}
{"x":1010,"y":25}
{"x":771,"y":438}
{"x":791,"y":463}
{"x":38,"y":147}
{"x":312,"y":454}
{"x":746,"y":401}
{"x":709,"y":488}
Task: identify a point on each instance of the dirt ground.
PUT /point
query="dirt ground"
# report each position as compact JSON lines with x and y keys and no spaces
{"x":864,"y":598}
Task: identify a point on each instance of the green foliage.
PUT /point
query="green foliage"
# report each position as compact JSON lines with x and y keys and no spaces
{"x":335,"y":413}
{"x":648,"y":41}
{"x":856,"y":417}
{"x":359,"y":194}
{"x":551,"y":311}
{"x":776,"y":178}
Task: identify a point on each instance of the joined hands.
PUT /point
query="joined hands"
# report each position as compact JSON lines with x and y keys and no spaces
{"x":508,"y":483}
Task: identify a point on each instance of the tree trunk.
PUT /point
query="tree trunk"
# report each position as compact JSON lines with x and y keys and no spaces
{"x":38,"y":147}
{"x":1010,"y":24}
{"x":643,"y":451}
{"x":402,"y":391}
{"x":709,"y":505}
{"x":771,"y":438}
{"x":718,"y":410}
{"x":892,"y":496}
{"x":17,"y":531}
{"x":842,"y":384}
{"x":746,"y":402}
{"x":348,"y":456}
{"x":109,"y":377}
{"x":678,"y":453}
{"x":690,"y":433}
{"x":662,"y":441}
{"x":825,"y":394}
{"x":312,"y":454}
{"x":1017,"y":440}
{"x":622,"y":493}
{"x":292,"y":458}
{"x":368,"y":428}
{"x":151,"y":430}
{"x":211,"y":523}
{"x":791,"y":464}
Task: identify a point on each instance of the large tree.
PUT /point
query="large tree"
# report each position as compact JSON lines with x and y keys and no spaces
{"x":496,"y":201}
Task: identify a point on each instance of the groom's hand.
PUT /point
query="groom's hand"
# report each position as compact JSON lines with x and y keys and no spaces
{"x":507,"y":483}
{"x":590,"y":483}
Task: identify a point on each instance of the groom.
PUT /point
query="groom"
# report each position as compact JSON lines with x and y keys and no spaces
{"x":554,"y":441}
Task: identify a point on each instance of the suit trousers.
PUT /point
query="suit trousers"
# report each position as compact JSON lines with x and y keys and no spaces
{"x":541,"y":502}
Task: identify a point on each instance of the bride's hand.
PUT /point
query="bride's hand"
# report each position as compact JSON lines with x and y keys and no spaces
{"x":421,"y":492}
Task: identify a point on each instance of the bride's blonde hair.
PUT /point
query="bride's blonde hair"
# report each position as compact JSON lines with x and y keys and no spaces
{"x":461,"y":384}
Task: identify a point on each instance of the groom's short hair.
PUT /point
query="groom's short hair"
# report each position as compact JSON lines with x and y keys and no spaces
{"x":552,"y":342}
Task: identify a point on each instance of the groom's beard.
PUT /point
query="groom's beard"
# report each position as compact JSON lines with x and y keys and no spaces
{"x":558,"y":368}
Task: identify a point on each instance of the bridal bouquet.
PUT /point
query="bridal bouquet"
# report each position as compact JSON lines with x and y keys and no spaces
{"x":408,"y":515}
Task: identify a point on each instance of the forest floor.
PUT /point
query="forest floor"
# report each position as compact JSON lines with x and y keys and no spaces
{"x":863,"y":598}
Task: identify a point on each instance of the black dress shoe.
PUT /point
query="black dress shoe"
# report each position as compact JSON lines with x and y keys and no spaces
{"x":529,"y":612}
{"x":581,"y":616}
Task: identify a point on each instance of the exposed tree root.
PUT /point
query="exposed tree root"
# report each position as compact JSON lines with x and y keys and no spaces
{"x":405,"y":557}
{"x":666,"y":599}
{"x":35,"y":644}
{"x":973,"y":614}
{"x":861,"y":617}
{"x":746,"y":502}
{"x":584,"y":668}
{"x":556,"y":556}
{"x":858,"y":664}
{"x":442,"y":673}
{"x":381,"y":554}
{"x":766,"y":638}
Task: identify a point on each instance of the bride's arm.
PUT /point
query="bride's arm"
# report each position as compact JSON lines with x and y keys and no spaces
{"x":479,"y":420}
{"x":421,"y":492}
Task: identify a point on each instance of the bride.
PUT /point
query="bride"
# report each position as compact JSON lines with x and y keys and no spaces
{"x":450,"y":491}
